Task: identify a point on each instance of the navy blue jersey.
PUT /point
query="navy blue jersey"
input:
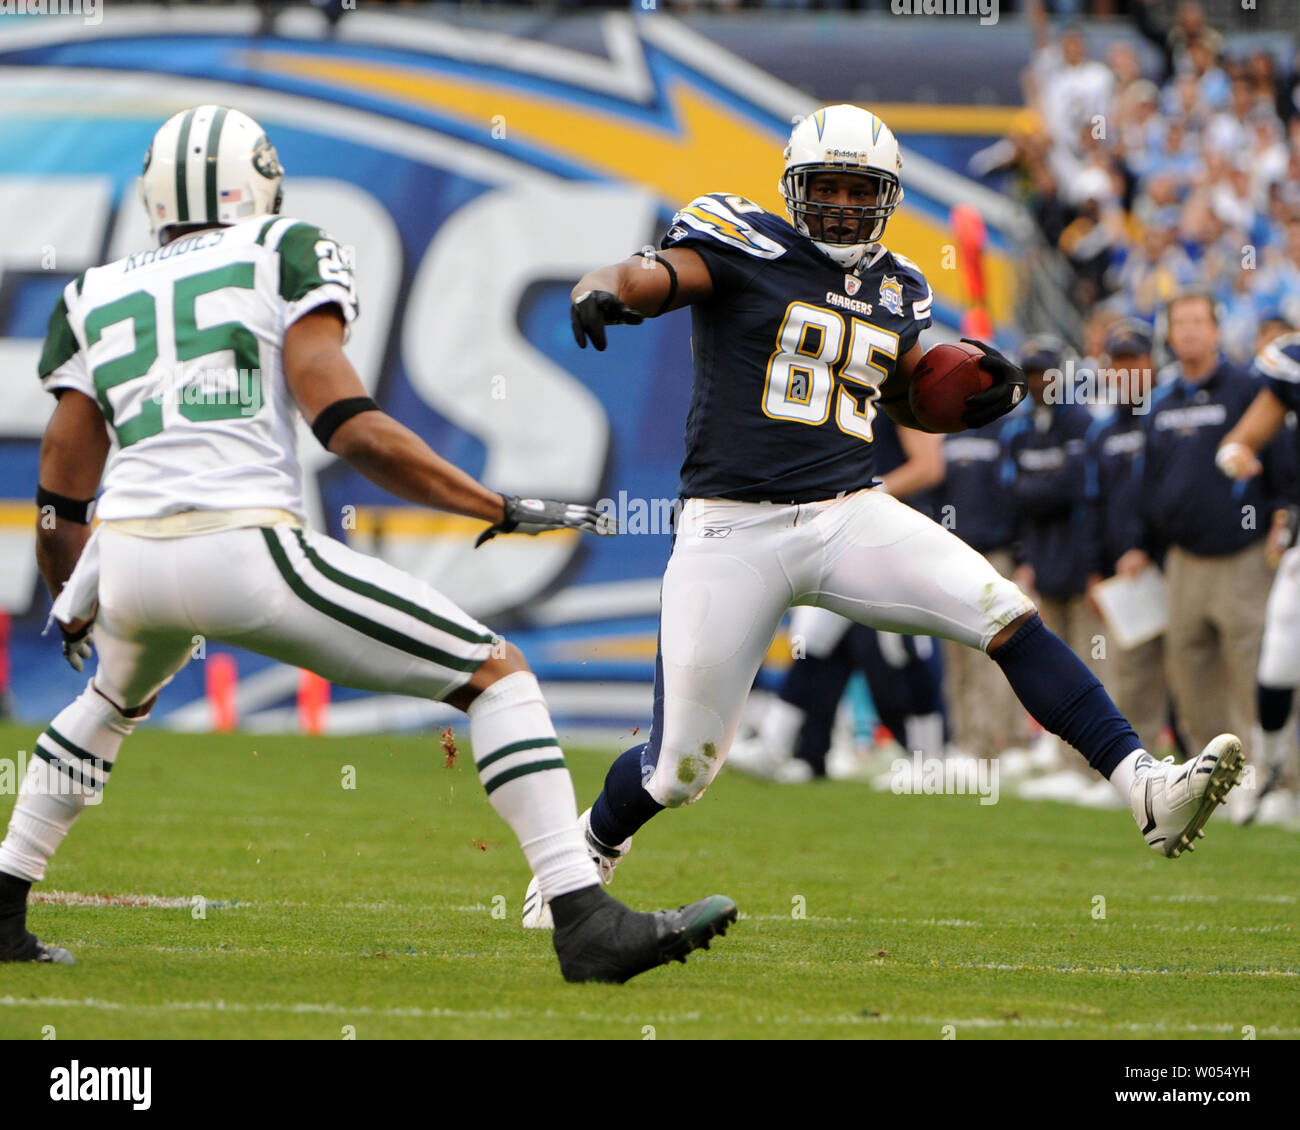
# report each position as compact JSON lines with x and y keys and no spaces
{"x":887,"y":450}
{"x":1278,"y":366}
{"x":1113,"y":486}
{"x":1044,"y":470}
{"x":1186,"y":500}
{"x":790,"y":353}
{"x":974,"y":500}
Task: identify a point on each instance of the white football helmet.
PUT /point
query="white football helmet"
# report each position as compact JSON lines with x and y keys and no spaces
{"x":842,"y":139}
{"x":209,"y":165}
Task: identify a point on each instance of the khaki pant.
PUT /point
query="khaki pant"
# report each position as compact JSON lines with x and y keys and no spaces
{"x":1071,"y":619}
{"x":1136,"y":681}
{"x":1216,"y":621}
{"x":985,"y":715}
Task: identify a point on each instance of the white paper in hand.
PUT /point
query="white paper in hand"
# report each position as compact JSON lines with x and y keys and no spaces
{"x":1135,"y":610}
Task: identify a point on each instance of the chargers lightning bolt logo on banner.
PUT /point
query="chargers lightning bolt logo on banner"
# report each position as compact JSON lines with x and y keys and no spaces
{"x":472,"y":177}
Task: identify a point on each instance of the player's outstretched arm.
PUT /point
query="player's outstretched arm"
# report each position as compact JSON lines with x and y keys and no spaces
{"x":643,"y":286}
{"x":1238,"y":454}
{"x":73,"y":452}
{"x":344,"y":418}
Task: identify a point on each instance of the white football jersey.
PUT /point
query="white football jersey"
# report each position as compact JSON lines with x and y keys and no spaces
{"x":182,"y":345}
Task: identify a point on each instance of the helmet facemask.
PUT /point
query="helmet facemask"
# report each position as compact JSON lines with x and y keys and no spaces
{"x":864,"y":224}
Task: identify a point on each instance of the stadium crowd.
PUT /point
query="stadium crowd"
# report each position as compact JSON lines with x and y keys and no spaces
{"x":1150,"y":183}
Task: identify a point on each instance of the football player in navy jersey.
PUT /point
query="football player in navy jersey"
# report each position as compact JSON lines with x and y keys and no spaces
{"x":801,"y":330}
{"x":1278,"y":365}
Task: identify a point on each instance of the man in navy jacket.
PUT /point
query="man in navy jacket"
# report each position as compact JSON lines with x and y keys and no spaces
{"x":1210,"y":528}
{"x":975,"y":503}
{"x":1115,"y":443}
{"x":1044,"y":471}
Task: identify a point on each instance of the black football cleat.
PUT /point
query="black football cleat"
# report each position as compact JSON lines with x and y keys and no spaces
{"x":31,"y":948}
{"x":614,"y":944}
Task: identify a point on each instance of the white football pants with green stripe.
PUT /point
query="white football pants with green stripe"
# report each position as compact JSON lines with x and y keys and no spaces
{"x":312,"y":602}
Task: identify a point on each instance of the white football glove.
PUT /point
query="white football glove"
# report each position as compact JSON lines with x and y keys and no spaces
{"x":76,"y":645}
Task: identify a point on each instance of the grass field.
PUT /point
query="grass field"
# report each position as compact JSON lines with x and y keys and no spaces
{"x":373,"y":907}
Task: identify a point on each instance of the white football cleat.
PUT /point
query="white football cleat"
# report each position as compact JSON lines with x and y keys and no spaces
{"x":756,"y":758}
{"x":1171,"y":803}
{"x":1100,"y":794}
{"x":537,"y":912}
{"x":1065,"y":786}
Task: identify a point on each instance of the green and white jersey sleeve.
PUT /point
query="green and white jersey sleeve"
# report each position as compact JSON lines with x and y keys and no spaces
{"x":63,"y":361}
{"x":314,"y":271}
{"x":182,"y":347}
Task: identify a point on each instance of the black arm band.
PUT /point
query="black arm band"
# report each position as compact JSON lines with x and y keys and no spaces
{"x":333,"y":416}
{"x":72,"y":509}
{"x":672,"y":279}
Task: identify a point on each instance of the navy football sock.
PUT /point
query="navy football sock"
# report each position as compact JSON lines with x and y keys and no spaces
{"x":1065,"y":697}
{"x":1274,"y":705}
{"x":623,"y":805}
{"x":814,"y":683}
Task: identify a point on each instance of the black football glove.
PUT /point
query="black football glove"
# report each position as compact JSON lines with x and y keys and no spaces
{"x":535,"y":515}
{"x":593,"y":310}
{"x":76,"y":645}
{"x":1007,"y":390}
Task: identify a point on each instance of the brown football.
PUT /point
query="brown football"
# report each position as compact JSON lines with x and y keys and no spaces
{"x":941,"y":382}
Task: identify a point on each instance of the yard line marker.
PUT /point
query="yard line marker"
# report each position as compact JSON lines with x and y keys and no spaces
{"x":326,"y":1008}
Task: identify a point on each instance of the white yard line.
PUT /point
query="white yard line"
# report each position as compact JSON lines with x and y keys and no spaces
{"x":325,"y":1008}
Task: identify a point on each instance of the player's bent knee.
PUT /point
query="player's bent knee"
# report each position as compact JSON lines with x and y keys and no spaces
{"x":1004,"y":635}
{"x":506,"y":659}
{"x":681,"y":778}
{"x":675,"y":795}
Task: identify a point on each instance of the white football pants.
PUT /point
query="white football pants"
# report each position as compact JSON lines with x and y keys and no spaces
{"x":1279,"y":654}
{"x":291,"y":594}
{"x":737,"y":567}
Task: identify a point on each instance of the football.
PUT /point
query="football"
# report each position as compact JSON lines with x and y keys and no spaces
{"x":943,"y":379}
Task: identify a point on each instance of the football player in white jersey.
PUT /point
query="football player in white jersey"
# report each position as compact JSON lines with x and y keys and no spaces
{"x":801,"y":329}
{"x":1278,"y":674}
{"x":184,"y":367}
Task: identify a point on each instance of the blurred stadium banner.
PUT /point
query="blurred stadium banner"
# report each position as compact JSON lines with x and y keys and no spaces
{"x":474,"y":176}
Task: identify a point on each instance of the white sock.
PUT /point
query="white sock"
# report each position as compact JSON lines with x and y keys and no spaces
{"x":924,"y":734}
{"x":522,"y":768}
{"x":780,"y":727}
{"x":1128,"y":771}
{"x":67,"y":771}
{"x":1271,"y":747}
